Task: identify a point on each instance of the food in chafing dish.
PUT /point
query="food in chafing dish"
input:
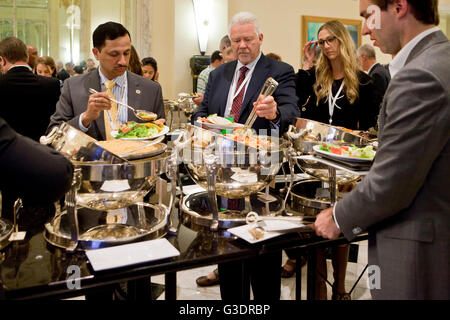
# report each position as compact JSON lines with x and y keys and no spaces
{"x":215,"y":119}
{"x":132,"y":129}
{"x":349,"y":151}
{"x":250,"y":138}
{"x":119,"y":147}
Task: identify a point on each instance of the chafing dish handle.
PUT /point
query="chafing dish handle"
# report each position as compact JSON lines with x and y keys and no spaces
{"x":211,"y":170}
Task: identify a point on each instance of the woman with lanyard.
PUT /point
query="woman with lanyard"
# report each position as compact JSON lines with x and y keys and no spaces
{"x":335,"y":92}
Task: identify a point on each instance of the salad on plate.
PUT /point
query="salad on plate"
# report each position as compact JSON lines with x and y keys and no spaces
{"x":348,"y":151}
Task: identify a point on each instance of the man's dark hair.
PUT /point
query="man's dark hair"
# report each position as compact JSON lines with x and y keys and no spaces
{"x":425,"y":11}
{"x":13,"y":50}
{"x":217,"y":55}
{"x":150,"y":61}
{"x":108,"y":31}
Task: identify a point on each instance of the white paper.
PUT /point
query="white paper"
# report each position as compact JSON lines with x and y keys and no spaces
{"x":130,"y":254}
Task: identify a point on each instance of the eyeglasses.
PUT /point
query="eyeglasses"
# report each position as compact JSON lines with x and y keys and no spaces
{"x":329,"y":41}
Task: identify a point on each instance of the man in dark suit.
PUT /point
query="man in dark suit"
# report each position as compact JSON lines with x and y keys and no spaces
{"x":28,"y":100}
{"x":379,"y":73}
{"x":231,"y":91}
{"x":404,"y":201}
{"x":85,"y":111}
{"x":36,"y":173}
{"x":62,"y":73}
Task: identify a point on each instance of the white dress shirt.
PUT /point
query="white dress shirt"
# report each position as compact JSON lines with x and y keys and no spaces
{"x":248,"y":77}
{"x":400,"y":59}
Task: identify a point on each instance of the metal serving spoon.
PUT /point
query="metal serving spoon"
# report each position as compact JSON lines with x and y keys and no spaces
{"x":140,"y":114}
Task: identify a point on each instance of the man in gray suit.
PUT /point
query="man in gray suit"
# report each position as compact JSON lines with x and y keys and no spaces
{"x":85,"y":111}
{"x":404,"y":202}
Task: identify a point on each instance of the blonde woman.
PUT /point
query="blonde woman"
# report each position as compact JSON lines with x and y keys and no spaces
{"x":335,"y":91}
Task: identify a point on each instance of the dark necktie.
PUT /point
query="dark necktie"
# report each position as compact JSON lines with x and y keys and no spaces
{"x":237,"y":102}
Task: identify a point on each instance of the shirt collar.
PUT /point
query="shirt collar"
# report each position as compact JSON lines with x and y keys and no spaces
{"x":21,"y":66}
{"x":120,"y":80}
{"x":251,"y":65}
{"x":400,"y":59}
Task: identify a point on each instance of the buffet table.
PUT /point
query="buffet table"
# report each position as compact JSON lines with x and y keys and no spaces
{"x":33,"y":269}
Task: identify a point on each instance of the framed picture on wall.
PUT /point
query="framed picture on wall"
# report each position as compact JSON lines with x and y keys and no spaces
{"x":311,"y":24}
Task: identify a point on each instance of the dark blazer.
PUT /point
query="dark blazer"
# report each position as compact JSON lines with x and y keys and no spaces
{"x":219,"y":83}
{"x":404,"y":202}
{"x":381,"y":78}
{"x":143,"y":94}
{"x":34,"y":172}
{"x":28,"y":101}
{"x":361,"y":115}
{"x":63,"y":75}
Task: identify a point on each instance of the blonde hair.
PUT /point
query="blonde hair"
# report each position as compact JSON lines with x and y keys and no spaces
{"x":324,"y":73}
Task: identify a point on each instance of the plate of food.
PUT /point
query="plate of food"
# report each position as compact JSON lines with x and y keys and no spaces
{"x":188,"y":96}
{"x":345,"y":153}
{"x":215,"y":122}
{"x":140,"y":131}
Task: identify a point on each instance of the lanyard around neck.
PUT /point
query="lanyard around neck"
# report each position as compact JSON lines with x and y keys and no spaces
{"x":332,"y":100}
{"x":247,"y":78}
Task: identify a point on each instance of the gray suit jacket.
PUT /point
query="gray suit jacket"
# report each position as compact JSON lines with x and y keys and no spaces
{"x":404,"y":202}
{"x":142,"y":94}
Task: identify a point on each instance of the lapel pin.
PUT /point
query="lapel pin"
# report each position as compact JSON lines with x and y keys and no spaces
{"x":138,"y":91}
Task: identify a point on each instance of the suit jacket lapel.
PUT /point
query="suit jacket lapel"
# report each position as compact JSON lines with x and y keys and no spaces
{"x":93,"y":81}
{"x":227,"y":79}
{"x":134,"y":95}
{"x":259,"y":76}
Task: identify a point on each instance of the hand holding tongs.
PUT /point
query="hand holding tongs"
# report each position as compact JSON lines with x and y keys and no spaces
{"x":268,"y":89}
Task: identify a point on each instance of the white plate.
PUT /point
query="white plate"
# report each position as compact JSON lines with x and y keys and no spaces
{"x":130,"y":254}
{"x":165,"y":131}
{"x":219,"y":126}
{"x":340,"y":157}
{"x":281,"y":226}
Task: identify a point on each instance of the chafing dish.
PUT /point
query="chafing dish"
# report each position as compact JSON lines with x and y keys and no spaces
{"x":6,"y":229}
{"x":104,"y":182}
{"x":308,"y":133}
{"x":241,"y":170}
{"x":228,"y":168}
{"x":115,"y":186}
{"x":78,"y":146}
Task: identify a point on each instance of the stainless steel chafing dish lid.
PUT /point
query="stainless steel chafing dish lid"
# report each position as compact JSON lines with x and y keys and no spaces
{"x":307,"y":133}
{"x":78,"y":146}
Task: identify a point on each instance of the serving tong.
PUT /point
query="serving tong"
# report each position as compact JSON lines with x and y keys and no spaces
{"x":267,"y":90}
{"x":253,"y":217}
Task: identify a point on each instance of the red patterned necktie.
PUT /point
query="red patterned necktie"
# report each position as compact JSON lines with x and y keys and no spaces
{"x":237,"y":102}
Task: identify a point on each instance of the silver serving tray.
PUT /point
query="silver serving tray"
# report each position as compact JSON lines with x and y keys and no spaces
{"x":242,"y":170}
{"x":308,"y":133}
{"x":101,"y":229}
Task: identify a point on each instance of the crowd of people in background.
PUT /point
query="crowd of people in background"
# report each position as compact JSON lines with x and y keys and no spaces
{"x":338,"y":84}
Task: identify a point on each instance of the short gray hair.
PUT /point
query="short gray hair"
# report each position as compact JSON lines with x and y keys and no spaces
{"x":243,"y":18}
{"x":367,"y":50}
{"x":224,"y":43}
